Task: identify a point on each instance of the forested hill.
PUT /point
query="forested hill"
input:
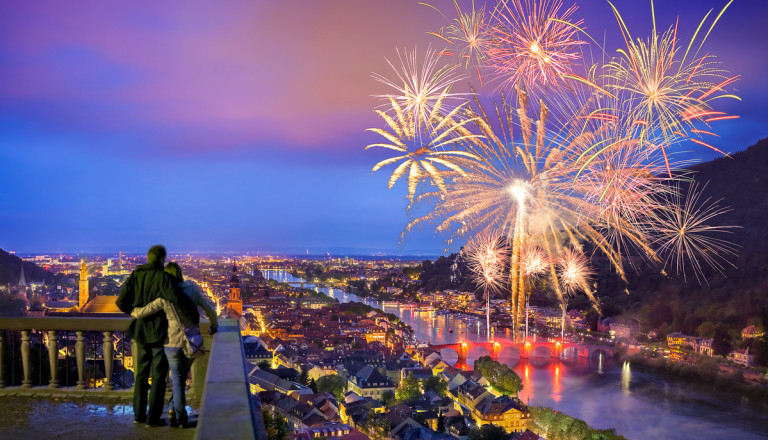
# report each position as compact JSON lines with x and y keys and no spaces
{"x":726,"y":301}
{"x":10,"y":270}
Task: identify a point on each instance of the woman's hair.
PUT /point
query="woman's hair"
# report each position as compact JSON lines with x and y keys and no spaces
{"x":175,"y":271}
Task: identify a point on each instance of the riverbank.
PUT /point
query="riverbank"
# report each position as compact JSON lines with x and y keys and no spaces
{"x":705,"y":374}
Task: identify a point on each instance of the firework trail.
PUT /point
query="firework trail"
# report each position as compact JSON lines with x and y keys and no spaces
{"x":487,"y":256}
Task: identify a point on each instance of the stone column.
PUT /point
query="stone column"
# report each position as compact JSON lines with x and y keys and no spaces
{"x":80,"y":359}
{"x":108,"y":360}
{"x":27,"y":382}
{"x":53,"y":358}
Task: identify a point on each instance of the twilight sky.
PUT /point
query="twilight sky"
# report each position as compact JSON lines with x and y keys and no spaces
{"x":239,"y":125}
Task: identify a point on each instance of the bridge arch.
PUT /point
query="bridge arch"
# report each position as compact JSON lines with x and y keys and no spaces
{"x":597,"y":351}
{"x":510,"y":355}
{"x":541,"y":351}
{"x":476,"y":352}
{"x":449,"y":355}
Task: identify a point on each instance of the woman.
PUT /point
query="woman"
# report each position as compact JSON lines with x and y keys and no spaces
{"x":179,"y":321}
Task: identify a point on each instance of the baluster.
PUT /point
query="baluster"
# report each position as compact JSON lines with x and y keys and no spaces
{"x":27,"y":382}
{"x":2,"y":382}
{"x":53,"y":358}
{"x":108,"y":359}
{"x":80,"y":359}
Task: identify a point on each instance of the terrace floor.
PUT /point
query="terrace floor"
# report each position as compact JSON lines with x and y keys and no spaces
{"x":83,"y":418}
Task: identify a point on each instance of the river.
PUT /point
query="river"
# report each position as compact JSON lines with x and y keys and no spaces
{"x":603,"y":392}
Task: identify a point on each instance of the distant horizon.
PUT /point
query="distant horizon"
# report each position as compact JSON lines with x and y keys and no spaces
{"x":252,"y":253}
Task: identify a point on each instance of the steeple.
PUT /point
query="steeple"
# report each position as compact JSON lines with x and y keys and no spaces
{"x":23,"y":285}
{"x":22,"y":280}
{"x":83,"y":296}
{"x":235,"y":302}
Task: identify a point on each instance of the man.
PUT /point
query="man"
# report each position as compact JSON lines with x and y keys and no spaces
{"x":145,"y":284}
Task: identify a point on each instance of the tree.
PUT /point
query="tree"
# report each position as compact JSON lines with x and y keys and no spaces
{"x":264,"y":365}
{"x":499,"y":375}
{"x":306,"y":323}
{"x":313,"y":385}
{"x":303,"y":376}
{"x":488,"y":432}
{"x":276,"y":426}
{"x":376,"y":426}
{"x":387,"y":398}
{"x":332,"y":383}
{"x":409,"y":389}
{"x":435,"y":384}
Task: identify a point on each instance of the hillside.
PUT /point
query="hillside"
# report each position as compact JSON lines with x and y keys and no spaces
{"x":729,"y":301}
{"x":10,"y":270}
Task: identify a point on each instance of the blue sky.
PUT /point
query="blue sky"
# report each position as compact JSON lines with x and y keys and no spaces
{"x":241,"y":126}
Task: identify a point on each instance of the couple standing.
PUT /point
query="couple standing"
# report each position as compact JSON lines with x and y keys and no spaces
{"x":165,"y":310}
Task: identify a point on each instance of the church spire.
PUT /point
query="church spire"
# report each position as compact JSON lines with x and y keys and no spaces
{"x":22,"y":279}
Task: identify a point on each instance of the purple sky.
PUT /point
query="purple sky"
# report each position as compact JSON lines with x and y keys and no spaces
{"x":239,"y":125}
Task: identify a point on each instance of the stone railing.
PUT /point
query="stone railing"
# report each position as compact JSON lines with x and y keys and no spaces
{"x":51,"y":327}
{"x":226,"y":409}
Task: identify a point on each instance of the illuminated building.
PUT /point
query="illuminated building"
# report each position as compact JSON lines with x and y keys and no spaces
{"x":235,"y":304}
{"x":83,"y":297}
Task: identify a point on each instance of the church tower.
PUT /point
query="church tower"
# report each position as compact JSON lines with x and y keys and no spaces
{"x":83,"y":284}
{"x":235,"y":302}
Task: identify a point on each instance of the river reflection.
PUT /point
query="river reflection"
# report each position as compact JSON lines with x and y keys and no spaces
{"x":599,"y":390}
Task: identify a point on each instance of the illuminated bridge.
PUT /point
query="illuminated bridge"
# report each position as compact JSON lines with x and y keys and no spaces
{"x":550,"y":349}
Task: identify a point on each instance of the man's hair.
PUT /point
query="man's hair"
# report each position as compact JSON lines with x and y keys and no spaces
{"x":156,"y":254}
{"x":174,"y":270}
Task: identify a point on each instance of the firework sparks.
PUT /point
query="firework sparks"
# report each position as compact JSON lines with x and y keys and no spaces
{"x":685,"y":238}
{"x":573,"y":271}
{"x":420,"y":159}
{"x":532,"y":41}
{"x":468,"y":36}
{"x":664,"y":90}
{"x":422,"y":88}
{"x":487,"y":255}
{"x":534,"y":262}
{"x":594,"y":170}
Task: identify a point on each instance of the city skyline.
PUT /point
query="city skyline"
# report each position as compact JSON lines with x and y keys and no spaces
{"x":242,"y":129}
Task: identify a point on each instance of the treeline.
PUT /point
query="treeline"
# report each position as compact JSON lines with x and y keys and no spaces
{"x":499,"y":375}
{"x":558,"y":426}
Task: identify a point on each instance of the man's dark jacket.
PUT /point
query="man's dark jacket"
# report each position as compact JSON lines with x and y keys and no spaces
{"x":145,"y":284}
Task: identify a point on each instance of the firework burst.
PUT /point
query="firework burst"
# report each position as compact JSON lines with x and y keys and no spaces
{"x":420,"y":158}
{"x":487,"y":255}
{"x":532,"y":41}
{"x":534,"y":262}
{"x":421,"y":88}
{"x":588,"y":166}
{"x":668,"y":91}
{"x":685,"y":238}
{"x":574,"y":272}
{"x":467,"y":35}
